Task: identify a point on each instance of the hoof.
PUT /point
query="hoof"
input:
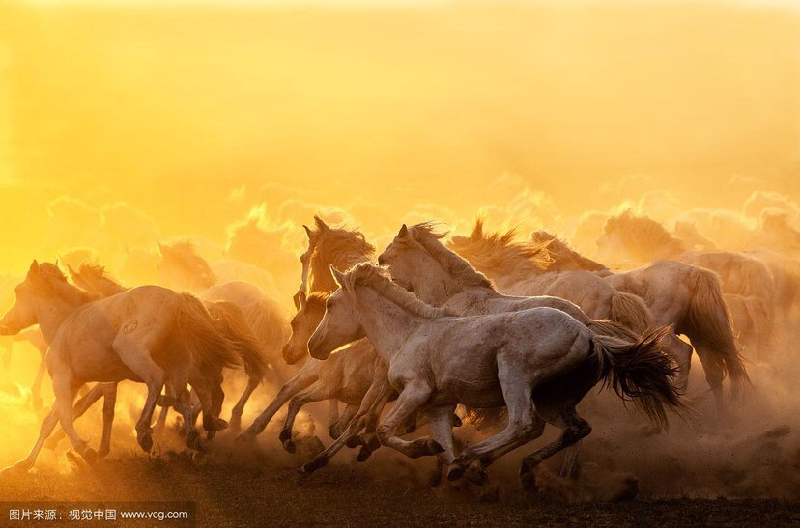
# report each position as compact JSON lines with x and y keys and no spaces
{"x":433,"y":447}
{"x":363,"y":454}
{"x":193,"y":441}
{"x":370,"y":441}
{"x":215,"y":424}
{"x":477,"y":476}
{"x":457,"y":421}
{"x":22,"y":465}
{"x":103,"y":452}
{"x":335,"y":431}
{"x":456,"y":470}
{"x":145,"y":440}
{"x":290,"y":446}
{"x":246,"y":437}
{"x":52,"y":442}
{"x":354,"y":442}
{"x":528,"y":481}
{"x":210,"y":435}
{"x":88,"y":454}
{"x":313,"y":465}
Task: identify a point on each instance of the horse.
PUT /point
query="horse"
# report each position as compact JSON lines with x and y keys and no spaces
{"x":149,"y":334}
{"x":518,"y":268}
{"x":688,"y":298}
{"x":326,"y":245}
{"x":539,"y":363}
{"x":180,"y":266}
{"x":34,"y":337}
{"x":228,"y":319}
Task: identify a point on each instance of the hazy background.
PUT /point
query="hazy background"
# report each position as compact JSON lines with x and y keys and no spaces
{"x":193,"y":115}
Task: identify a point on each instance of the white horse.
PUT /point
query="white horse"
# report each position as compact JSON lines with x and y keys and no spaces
{"x":539,"y":363}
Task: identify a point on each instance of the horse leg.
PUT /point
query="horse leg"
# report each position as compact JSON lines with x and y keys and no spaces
{"x":337,"y":427}
{"x":681,"y":352}
{"x":333,"y":415}
{"x":81,"y":406}
{"x":369,"y":410}
{"x":36,"y":387}
{"x":48,"y":424}
{"x":238,"y":409}
{"x":573,"y":428}
{"x":523,"y":426}
{"x":136,"y":356}
{"x":319,"y":391}
{"x":415,"y":394}
{"x":109,"y":402}
{"x":440,"y":420}
{"x":289,"y":389}
{"x":714,"y":376}
{"x":65,"y":388}
{"x":165,"y":402}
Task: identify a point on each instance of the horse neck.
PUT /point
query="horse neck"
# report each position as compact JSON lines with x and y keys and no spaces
{"x":53,"y":310}
{"x":436,"y":286}
{"x":385,"y":324}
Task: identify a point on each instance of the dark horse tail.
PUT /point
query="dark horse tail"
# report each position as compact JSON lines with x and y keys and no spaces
{"x":641,"y":372}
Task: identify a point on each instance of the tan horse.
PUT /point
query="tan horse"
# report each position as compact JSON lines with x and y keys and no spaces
{"x":539,"y":363}
{"x":228,"y":319}
{"x":326,"y":245}
{"x":148,"y":334}
{"x":688,"y":298}
{"x":181,"y":267}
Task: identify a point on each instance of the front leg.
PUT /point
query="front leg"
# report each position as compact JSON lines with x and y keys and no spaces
{"x":337,"y":427}
{"x":415,"y":394}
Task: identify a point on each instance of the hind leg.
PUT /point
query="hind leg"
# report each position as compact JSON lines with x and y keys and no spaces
{"x":36,"y":387}
{"x":714,"y":376}
{"x":136,"y":356}
{"x":573,"y":428}
{"x":109,"y":402}
{"x":523,"y":425}
{"x":289,"y":389}
{"x":238,"y":409}
{"x":415,"y":393}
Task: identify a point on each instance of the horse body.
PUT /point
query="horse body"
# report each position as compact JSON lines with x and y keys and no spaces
{"x":148,"y":334}
{"x":436,"y":361}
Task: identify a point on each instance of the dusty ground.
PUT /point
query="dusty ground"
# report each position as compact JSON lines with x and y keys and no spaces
{"x":234,"y":492}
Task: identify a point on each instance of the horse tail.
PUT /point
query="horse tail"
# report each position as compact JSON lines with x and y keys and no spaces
{"x":631,"y":311}
{"x":606,"y":327}
{"x":708,"y":324}
{"x":640,"y":372}
{"x":230,"y":323}
{"x":199,"y":335}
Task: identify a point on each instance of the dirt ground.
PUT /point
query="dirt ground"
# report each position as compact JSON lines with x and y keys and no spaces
{"x":237,"y":492}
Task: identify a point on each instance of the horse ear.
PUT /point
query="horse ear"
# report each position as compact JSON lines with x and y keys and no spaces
{"x":403,"y":232}
{"x":309,"y":233}
{"x":321,"y":225}
{"x":34,"y":267}
{"x":338,"y":276}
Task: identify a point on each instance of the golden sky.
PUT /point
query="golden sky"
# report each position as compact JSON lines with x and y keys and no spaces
{"x":193,"y":115}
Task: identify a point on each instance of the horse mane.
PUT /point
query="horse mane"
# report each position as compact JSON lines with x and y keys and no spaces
{"x":95,"y":276}
{"x":184,"y":253}
{"x":643,"y":234}
{"x":317,"y":299}
{"x":501,"y":252}
{"x":563,"y":255}
{"x":378,"y":278}
{"x":455,"y":265}
{"x":338,"y":246}
{"x":52,"y":278}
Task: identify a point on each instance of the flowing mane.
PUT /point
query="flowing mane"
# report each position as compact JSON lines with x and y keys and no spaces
{"x":564,"y":257}
{"x":50,"y":277}
{"x":93,"y":277}
{"x":377,"y":278}
{"x":643,"y":235}
{"x":341,"y":247}
{"x":183,"y":254}
{"x":456,"y":266}
{"x":500,"y":254}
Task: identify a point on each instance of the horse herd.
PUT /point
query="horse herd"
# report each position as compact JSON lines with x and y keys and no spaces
{"x":451,"y":329}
